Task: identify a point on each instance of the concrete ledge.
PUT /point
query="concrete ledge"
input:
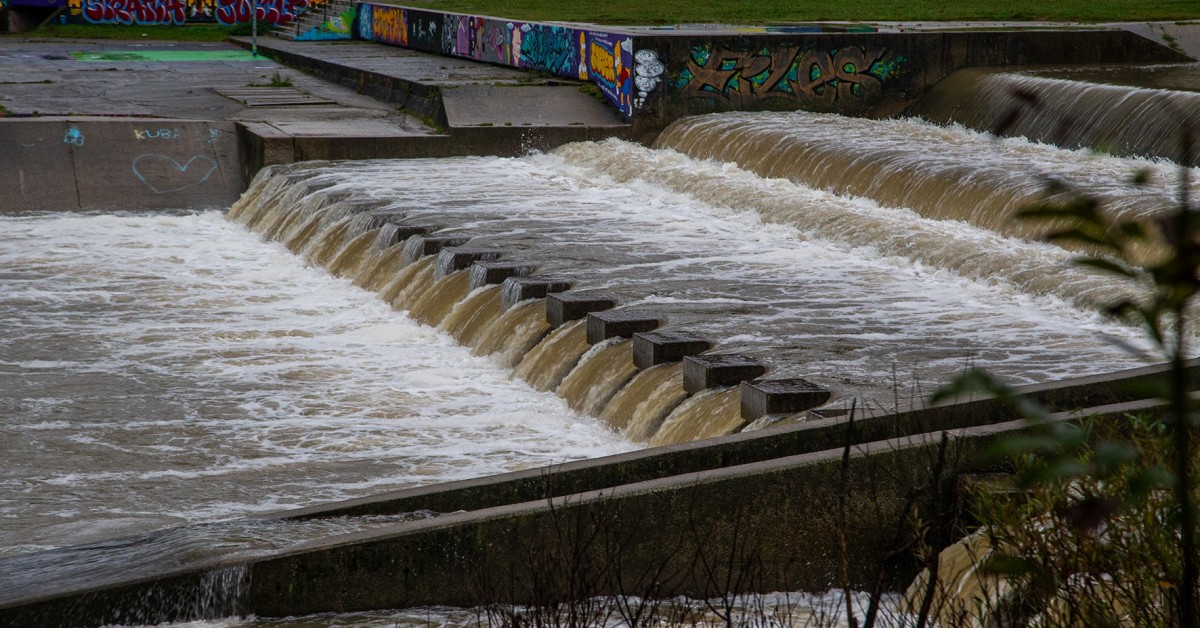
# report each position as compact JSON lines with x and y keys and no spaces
{"x":701,"y":372}
{"x":453,"y":259}
{"x":489,"y":273}
{"x":565,"y":307}
{"x":774,"y":396}
{"x":617,"y":324}
{"x":660,"y":347}
{"x":419,"y":246}
{"x":517,"y":289}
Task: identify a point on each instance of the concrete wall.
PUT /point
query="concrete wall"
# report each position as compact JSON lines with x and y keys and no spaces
{"x":176,"y":12}
{"x":97,"y":163}
{"x":654,"y":77}
{"x":603,"y":57}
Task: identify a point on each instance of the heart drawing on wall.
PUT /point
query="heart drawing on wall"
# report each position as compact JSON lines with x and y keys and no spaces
{"x":163,"y":174}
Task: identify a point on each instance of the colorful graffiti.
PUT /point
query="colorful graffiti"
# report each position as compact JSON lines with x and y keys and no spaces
{"x":609,"y":64}
{"x":176,"y":12}
{"x":337,"y":27}
{"x":269,"y":11}
{"x":806,"y":76}
{"x":134,"y":11}
{"x":389,"y":25}
{"x":548,"y":48}
{"x":604,"y":58}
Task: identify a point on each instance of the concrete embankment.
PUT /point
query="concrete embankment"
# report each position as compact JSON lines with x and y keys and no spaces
{"x":770,"y":508}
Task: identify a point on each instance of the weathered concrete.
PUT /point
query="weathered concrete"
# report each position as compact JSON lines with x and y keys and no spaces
{"x":461,"y":257}
{"x":136,"y":163}
{"x":777,"y":396}
{"x":517,"y":289}
{"x":618,"y":324}
{"x":701,"y":372}
{"x":564,"y":307}
{"x":490,"y":273}
{"x":660,"y":347}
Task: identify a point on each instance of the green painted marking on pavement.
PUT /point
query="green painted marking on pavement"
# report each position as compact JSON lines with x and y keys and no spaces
{"x":165,"y":55}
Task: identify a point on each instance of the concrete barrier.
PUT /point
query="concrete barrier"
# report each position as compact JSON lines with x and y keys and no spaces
{"x":100,"y":163}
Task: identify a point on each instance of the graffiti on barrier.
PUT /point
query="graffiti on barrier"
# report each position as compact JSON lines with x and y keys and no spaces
{"x":163,"y":174}
{"x":609,"y":65}
{"x":807,"y":76}
{"x":279,"y":12}
{"x":604,"y":58}
{"x":336,"y":27}
{"x":424,"y":30}
{"x":553,"y":49}
{"x":647,"y":74}
{"x":74,"y":137}
{"x":389,"y":25}
{"x":134,"y":11}
{"x":175,"y":12}
{"x":156,"y":134}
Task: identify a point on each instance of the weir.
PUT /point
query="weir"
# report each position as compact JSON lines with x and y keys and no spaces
{"x":725,"y":299}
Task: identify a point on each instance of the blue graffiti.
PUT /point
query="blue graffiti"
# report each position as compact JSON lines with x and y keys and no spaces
{"x":163,"y":174}
{"x":553,"y":49}
{"x":74,"y":136}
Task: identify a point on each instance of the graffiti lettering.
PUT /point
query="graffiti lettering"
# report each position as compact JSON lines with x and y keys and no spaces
{"x":811,"y":76}
{"x":134,"y":11}
{"x":602,"y":62}
{"x":550,"y":49}
{"x":389,"y":25}
{"x":269,"y":11}
{"x":161,"y":134}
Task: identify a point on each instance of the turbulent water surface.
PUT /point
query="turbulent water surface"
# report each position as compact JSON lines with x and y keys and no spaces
{"x":171,"y":368}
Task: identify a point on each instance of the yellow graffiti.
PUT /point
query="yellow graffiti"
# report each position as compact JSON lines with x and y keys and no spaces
{"x":389,"y":25}
{"x":603,"y":63}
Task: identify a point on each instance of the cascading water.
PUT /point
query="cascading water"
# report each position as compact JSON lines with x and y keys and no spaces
{"x":853,"y":251}
{"x":1074,"y":108}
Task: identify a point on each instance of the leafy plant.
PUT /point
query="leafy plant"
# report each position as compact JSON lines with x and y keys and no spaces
{"x":1091,"y":497}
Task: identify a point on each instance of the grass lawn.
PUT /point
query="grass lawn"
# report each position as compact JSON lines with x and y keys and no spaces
{"x":762,"y":11}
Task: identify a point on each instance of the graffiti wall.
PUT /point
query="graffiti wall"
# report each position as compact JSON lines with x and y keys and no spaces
{"x":802,"y":76}
{"x":175,"y":12}
{"x":604,"y":58}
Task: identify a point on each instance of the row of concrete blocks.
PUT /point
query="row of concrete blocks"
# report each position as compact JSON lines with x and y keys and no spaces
{"x":651,"y":346}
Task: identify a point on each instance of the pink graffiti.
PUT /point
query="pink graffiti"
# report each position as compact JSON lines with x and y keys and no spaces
{"x":135,"y":11}
{"x":269,"y":11}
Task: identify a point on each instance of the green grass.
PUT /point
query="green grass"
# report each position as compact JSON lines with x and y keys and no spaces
{"x":189,"y":32}
{"x":767,"y":11}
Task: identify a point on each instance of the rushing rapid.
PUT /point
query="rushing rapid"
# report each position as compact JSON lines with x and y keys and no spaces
{"x":174,"y":368}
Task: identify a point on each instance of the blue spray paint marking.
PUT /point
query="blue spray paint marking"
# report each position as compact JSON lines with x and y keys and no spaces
{"x":73,"y":136}
{"x":163,"y":174}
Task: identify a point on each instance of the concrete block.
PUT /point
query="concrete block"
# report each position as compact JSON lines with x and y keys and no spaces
{"x":618,"y":324}
{"x":489,"y":273}
{"x":701,"y":372}
{"x":392,"y":233}
{"x":763,"y":397}
{"x":660,"y":347}
{"x":517,"y":289}
{"x":568,"y":306}
{"x":420,"y":246}
{"x":457,"y":258}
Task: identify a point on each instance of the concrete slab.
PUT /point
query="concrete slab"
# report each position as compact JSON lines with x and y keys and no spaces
{"x":542,"y":106}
